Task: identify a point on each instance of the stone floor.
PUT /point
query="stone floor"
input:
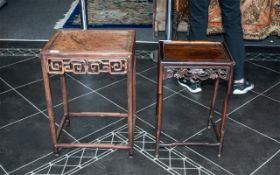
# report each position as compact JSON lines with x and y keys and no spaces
{"x":252,"y":140}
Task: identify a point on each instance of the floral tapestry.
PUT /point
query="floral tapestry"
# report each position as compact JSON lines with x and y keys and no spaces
{"x":260,"y":18}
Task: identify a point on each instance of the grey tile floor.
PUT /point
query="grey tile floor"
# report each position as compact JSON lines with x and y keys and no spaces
{"x":252,"y":141}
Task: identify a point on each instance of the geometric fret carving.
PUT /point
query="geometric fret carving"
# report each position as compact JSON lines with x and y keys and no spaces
{"x":197,"y":73}
{"x":87,"y":66}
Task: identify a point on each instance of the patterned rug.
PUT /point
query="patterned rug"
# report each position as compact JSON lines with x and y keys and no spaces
{"x":110,"y":13}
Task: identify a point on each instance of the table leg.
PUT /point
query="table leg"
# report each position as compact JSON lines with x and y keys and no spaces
{"x":49,"y":104}
{"x":65,"y":97}
{"x":213,"y":102}
{"x":224,"y":114}
{"x":134,"y":93}
{"x":130,"y":105}
{"x":159,"y":108}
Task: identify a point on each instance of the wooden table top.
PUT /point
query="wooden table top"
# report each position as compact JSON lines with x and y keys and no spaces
{"x":194,"y":51}
{"x":90,"y":42}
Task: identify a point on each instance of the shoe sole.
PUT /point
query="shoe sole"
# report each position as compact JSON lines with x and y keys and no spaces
{"x":244,"y":91}
{"x":189,"y":89}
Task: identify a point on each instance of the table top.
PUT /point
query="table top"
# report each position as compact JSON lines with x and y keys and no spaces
{"x":194,"y":52}
{"x":90,"y":42}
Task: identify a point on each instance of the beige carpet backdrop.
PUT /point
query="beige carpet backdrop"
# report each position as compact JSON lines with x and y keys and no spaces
{"x":260,"y":18}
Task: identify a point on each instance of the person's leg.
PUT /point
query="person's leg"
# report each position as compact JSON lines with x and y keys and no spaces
{"x":233,"y":36}
{"x":198,"y":22}
{"x":198,"y":19}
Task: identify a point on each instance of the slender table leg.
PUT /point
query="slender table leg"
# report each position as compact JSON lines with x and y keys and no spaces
{"x":65,"y":97}
{"x":224,"y":113}
{"x":169,"y":20}
{"x":213,"y":102}
{"x":49,"y":104}
{"x":130,"y":105}
{"x":84,"y":16}
{"x":159,"y":108}
{"x":134,"y":93}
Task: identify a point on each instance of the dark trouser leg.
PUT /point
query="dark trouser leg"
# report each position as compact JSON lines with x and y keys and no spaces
{"x":198,"y":19}
{"x":233,"y":34}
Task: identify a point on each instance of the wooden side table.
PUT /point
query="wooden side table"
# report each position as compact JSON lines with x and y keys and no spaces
{"x":90,"y":52}
{"x":197,"y":60}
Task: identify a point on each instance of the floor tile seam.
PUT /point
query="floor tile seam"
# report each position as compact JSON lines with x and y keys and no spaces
{"x":245,"y":103}
{"x":263,"y":164}
{"x":167,"y":135}
{"x":209,"y":160}
{"x":97,"y":92}
{"x":268,"y":89}
{"x":203,"y":129}
{"x":254,"y":130}
{"x":111,"y":84}
{"x":72,"y":142}
{"x":197,"y":133}
{"x":249,"y":101}
{"x":159,"y":162}
{"x":75,"y":150}
{"x":24,"y":85}
{"x":1,"y":166}
{"x":100,"y":129}
{"x":152,"y":104}
{"x":98,"y":89}
{"x":258,"y":65}
{"x":21,"y":61}
{"x":43,"y":110}
{"x":265,"y":91}
{"x":199,"y":102}
{"x":179,"y":93}
{"x":89,"y":88}
{"x":155,"y":82}
{"x":90,"y":163}
{"x":20,"y":120}
{"x":35,"y":161}
{"x":29,"y":163}
{"x":69,"y":100}
{"x":145,"y":122}
{"x":146,"y":70}
{"x":34,"y":106}
{"x":179,"y":154}
{"x":277,"y":101}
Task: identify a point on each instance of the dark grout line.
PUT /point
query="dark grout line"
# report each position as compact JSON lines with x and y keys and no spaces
{"x":21,"y":86}
{"x":170,"y":137}
{"x":55,"y":106}
{"x":177,"y":93}
{"x":20,"y":120}
{"x":268,"y":160}
{"x":21,"y":61}
{"x":258,"y":95}
{"x":258,"y":65}
{"x":6,"y":173}
{"x":277,"y":101}
{"x":254,"y":130}
{"x":220,"y":113}
{"x":94,"y":91}
{"x":33,"y":105}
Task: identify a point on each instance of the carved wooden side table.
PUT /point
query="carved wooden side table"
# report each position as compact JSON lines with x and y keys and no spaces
{"x":196,"y":60}
{"x":90,"y":52}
